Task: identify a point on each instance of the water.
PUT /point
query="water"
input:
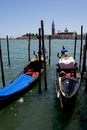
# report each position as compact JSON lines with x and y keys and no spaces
{"x":35,"y":111}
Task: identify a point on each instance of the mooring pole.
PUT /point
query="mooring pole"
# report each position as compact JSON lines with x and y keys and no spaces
{"x":75,"y":45}
{"x":8,"y":51}
{"x":49,"y":48}
{"x":29,"y":49}
{"x":43,"y":47}
{"x":86,"y":84}
{"x":81,"y":48}
{"x":40,"y":60}
{"x":84,"y":61}
{"x":2,"y":70}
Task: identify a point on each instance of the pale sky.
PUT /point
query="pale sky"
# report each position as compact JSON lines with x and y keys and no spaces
{"x":18,"y":17}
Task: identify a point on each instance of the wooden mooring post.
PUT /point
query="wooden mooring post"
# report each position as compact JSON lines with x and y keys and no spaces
{"x":2,"y":70}
{"x":75,"y":45}
{"x":86,"y":84}
{"x":43,"y":47}
{"x":81,"y":48}
{"x":39,"y":60}
{"x":84,"y":57}
{"x":84,"y":71}
{"x":86,"y":65}
{"x":8,"y":51}
{"x":29,"y":48}
{"x":49,"y":48}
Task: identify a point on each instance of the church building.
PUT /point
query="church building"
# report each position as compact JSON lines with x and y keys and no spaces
{"x":61,"y":35}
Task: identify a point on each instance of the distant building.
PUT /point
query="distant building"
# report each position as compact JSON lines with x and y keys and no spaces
{"x":53,"y":28}
{"x":66,"y":35}
{"x":62,"y":35}
{"x":66,"y":30}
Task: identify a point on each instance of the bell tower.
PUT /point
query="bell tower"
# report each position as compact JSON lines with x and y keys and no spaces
{"x":53,"y":28}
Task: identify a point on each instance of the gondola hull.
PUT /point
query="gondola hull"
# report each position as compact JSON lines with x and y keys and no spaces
{"x":20,"y":85}
{"x":66,"y":89}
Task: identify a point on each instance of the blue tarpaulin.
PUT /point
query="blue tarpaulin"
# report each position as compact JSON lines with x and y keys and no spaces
{"x":18,"y":84}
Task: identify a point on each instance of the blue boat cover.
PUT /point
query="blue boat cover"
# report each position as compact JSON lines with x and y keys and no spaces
{"x":17,"y":85}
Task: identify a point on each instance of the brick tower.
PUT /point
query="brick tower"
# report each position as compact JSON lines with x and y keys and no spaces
{"x":53,"y":28}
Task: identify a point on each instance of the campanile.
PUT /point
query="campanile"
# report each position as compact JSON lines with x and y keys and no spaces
{"x":53,"y":28}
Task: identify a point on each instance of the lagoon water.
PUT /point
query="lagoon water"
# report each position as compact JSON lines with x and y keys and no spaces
{"x":34,"y":111}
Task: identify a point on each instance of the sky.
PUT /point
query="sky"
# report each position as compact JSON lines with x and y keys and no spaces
{"x":18,"y":17}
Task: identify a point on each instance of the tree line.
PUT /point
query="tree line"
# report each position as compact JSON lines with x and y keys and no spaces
{"x":31,"y":34}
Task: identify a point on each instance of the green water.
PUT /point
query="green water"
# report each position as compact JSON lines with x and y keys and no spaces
{"x":35,"y":111}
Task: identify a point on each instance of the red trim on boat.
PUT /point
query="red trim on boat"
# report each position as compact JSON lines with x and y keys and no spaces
{"x":31,"y":72}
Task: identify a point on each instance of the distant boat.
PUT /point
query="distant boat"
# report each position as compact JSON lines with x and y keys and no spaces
{"x":67,"y":77}
{"x":21,"y":84}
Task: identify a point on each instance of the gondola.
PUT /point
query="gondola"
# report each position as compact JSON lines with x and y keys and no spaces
{"x":67,"y":78}
{"x":41,"y":53}
{"x":22,"y":83}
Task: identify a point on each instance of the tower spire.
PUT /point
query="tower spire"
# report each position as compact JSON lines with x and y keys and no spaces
{"x":53,"y":28}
